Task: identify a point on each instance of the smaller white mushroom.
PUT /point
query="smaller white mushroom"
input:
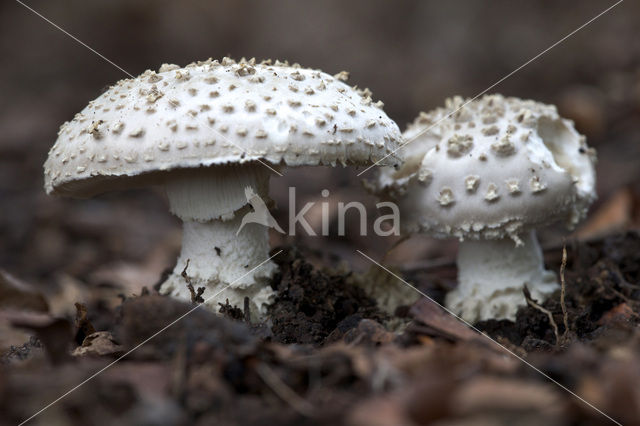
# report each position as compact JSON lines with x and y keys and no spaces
{"x":534,"y":169}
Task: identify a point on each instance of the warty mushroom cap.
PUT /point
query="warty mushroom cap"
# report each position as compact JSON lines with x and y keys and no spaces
{"x":495,"y":168}
{"x":216,"y":113}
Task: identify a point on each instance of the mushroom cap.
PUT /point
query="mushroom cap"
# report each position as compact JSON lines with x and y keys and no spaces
{"x":211,"y":113}
{"x":492,"y":169}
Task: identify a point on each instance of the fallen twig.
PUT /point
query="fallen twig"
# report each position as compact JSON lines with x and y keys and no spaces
{"x":280,"y":388}
{"x":196,"y":296}
{"x":533,"y":304}
{"x":184,"y":272}
{"x":247,"y":311}
{"x":563,"y":285}
{"x":632,"y":303}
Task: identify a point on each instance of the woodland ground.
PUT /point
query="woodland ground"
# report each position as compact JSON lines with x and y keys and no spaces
{"x":77,"y":276}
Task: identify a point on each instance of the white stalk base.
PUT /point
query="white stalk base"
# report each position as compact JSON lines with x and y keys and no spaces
{"x":211,"y":203}
{"x":223,"y":264}
{"x":492,"y":275}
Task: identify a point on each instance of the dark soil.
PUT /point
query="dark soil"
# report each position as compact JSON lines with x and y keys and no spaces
{"x":326,"y":354}
{"x":324,"y":357}
{"x":602,"y":292}
{"x":312,"y":305}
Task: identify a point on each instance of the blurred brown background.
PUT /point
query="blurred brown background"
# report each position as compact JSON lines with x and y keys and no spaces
{"x":411,"y":54}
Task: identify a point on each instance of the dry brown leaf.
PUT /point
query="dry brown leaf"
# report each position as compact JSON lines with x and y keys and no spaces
{"x":100,"y":343}
{"x":380,"y":411}
{"x":614,"y":215}
{"x":499,"y":394}
{"x":621,"y":312}
{"x":16,"y":294}
{"x":435,"y":321}
{"x":368,"y":332}
{"x":68,"y":291}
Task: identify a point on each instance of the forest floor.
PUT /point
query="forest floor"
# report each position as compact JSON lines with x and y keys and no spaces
{"x":326,"y":354}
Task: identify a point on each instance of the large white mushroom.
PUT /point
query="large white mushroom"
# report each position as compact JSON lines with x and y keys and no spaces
{"x":201,"y":132}
{"x":489,"y":175}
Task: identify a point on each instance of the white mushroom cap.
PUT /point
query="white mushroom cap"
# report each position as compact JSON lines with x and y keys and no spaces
{"x":495,"y":168}
{"x":211,"y":113}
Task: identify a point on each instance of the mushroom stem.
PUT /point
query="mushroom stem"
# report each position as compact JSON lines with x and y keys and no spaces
{"x":218,"y":258}
{"x":219,"y":251}
{"x":492,"y":275}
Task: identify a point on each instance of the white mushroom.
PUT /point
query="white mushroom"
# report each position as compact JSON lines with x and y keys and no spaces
{"x":200,"y":131}
{"x":498,"y":169}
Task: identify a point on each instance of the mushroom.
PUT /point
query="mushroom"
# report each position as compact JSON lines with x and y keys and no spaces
{"x":209,"y":133}
{"x":489,"y":173}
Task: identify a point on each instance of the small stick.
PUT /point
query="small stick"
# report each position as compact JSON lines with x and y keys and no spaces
{"x":196,"y":297}
{"x":565,"y":317}
{"x":280,"y":388}
{"x":247,"y":311}
{"x":534,"y":305}
{"x":626,"y":299}
{"x":184,"y":272}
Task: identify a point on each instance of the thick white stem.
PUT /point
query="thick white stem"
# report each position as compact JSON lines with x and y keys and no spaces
{"x":217,"y":257}
{"x":492,"y":275}
{"x":214,"y":193}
